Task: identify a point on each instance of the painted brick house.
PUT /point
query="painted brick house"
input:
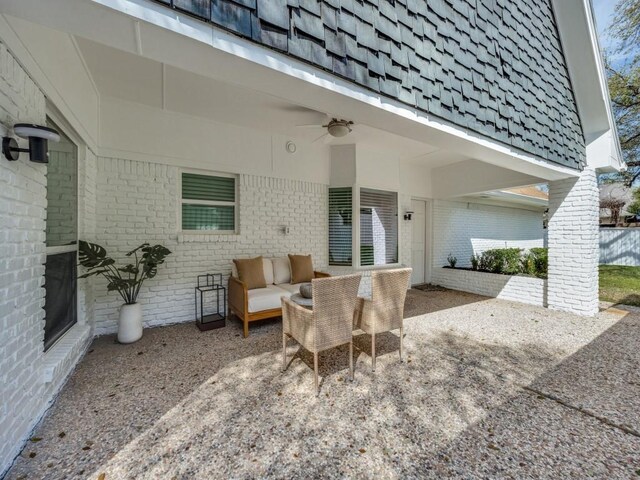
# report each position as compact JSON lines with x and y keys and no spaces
{"x":449,"y":99}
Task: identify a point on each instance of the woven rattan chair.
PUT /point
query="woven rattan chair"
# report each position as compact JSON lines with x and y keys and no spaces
{"x":384,"y":311}
{"x":328,"y":325}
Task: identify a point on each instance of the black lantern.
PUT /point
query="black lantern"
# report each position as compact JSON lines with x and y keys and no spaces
{"x":207,"y":286}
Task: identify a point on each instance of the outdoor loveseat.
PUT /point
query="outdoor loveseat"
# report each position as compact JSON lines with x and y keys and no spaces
{"x":251,"y":304}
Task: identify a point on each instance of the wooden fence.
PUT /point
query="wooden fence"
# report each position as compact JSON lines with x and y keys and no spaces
{"x":620,"y":246}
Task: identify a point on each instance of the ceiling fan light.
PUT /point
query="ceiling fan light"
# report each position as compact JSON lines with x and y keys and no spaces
{"x":338,"y":130}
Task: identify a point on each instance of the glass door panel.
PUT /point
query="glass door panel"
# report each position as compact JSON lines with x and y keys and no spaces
{"x":61,"y":238}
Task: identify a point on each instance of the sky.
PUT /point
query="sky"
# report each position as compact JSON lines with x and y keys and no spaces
{"x":604,"y":11}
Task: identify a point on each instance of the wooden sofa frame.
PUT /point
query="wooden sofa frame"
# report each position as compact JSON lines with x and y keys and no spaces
{"x":239,"y":303}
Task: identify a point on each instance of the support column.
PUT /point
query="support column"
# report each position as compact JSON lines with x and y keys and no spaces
{"x":574,"y":244}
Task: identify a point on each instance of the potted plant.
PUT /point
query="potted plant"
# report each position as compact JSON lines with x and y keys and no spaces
{"x":125,"y":280}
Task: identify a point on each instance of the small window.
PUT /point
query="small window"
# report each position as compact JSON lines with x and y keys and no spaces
{"x":340,"y":226}
{"x":208,"y":203}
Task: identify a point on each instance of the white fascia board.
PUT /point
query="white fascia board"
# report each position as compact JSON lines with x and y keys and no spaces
{"x":520,"y":198}
{"x":579,"y":38}
{"x":170,"y":37}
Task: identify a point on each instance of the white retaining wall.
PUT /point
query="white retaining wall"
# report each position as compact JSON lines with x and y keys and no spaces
{"x":620,"y":246}
{"x":138,"y":202}
{"x":517,"y":288}
{"x":463,"y":229}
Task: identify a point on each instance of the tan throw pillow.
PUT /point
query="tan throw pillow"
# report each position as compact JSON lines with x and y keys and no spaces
{"x":301,"y":268}
{"x":251,"y":272}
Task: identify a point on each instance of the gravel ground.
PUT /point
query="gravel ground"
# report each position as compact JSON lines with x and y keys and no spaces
{"x":490,"y":389}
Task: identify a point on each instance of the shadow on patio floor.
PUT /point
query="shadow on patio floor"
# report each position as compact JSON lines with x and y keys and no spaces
{"x":184,"y":404}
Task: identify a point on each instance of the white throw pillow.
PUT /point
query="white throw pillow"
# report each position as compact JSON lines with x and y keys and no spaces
{"x":281,"y":270}
{"x":267,"y":266}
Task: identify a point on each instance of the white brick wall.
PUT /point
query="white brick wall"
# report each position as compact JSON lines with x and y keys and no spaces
{"x":87,"y":173}
{"x":463,"y":229}
{"x":507,"y":287}
{"x":29,"y":378}
{"x":137,"y":202}
{"x":573,"y":244}
{"x":22,"y":255}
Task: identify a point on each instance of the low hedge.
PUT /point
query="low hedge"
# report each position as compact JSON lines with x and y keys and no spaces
{"x":512,"y":261}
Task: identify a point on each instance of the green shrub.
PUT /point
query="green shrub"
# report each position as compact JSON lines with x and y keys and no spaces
{"x":509,"y":261}
{"x":541,"y":260}
{"x":501,"y":260}
{"x":528,"y":263}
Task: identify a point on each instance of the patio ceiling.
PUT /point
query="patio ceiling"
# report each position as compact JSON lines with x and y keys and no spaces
{"x":132,"y":78}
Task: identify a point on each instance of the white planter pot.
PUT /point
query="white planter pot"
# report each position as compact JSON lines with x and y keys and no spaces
{"x":130,"y":323}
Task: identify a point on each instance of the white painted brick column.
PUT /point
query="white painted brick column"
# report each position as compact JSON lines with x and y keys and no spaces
{"x":573,"y":244}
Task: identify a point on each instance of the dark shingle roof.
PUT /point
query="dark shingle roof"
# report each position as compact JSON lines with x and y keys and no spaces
{"x":495,"y":67}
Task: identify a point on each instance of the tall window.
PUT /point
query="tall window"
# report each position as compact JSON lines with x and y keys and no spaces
{"x":340,"y":226}
{"x":378,"y":227}
{"x":61,"y":238}
{"x":208,"y":202}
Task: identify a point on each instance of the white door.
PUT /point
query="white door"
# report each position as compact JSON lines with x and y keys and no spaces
{"x":418,"y":243}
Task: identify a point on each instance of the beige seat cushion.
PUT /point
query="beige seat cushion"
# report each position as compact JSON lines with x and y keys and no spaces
{"x":260,"y":299}
{"x":251,"y":272}
{"x":291,"y":288}
{"x":281,"y":270}
{"x":266,"y":266}
{"x":301,"y":268}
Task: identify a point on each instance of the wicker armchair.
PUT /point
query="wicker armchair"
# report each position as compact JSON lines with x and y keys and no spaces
{"x":328,"y":325}
{"x":385,"y":310}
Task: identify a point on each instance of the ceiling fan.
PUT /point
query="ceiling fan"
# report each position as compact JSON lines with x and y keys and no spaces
{"x":335,"y":128}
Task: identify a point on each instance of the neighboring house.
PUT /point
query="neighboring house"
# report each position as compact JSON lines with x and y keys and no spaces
{"x":616,"y":192}
{"x":449,"y":99}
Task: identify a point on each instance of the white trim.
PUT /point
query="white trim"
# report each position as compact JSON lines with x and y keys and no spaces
{"x":62,"y":249}
{"x":53,"y":115}
{"x":428,"y":237}
{"x":581,"y":49}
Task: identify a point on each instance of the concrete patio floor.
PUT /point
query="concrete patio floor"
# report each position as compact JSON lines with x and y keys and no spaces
{"x":490,"y":389}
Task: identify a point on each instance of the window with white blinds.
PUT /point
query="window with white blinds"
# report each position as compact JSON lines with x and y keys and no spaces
{"x":340,"y":226}
{"x":208,"y":202}
{"x":378,"y":227}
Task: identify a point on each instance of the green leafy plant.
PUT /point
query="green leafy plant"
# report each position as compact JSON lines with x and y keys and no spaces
{"x":540,"y":257}
{"x":125,"y":280}
{"x":501,"y":260}
{"x":509,"y":261}
{"x":528,"y":264}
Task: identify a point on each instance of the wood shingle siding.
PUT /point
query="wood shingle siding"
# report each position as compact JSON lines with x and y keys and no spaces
{"x":495,"y":67}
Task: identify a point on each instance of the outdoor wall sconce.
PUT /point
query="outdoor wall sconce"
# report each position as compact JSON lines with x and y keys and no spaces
{"x":407,"y":215}
{"x":38,"y":137}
